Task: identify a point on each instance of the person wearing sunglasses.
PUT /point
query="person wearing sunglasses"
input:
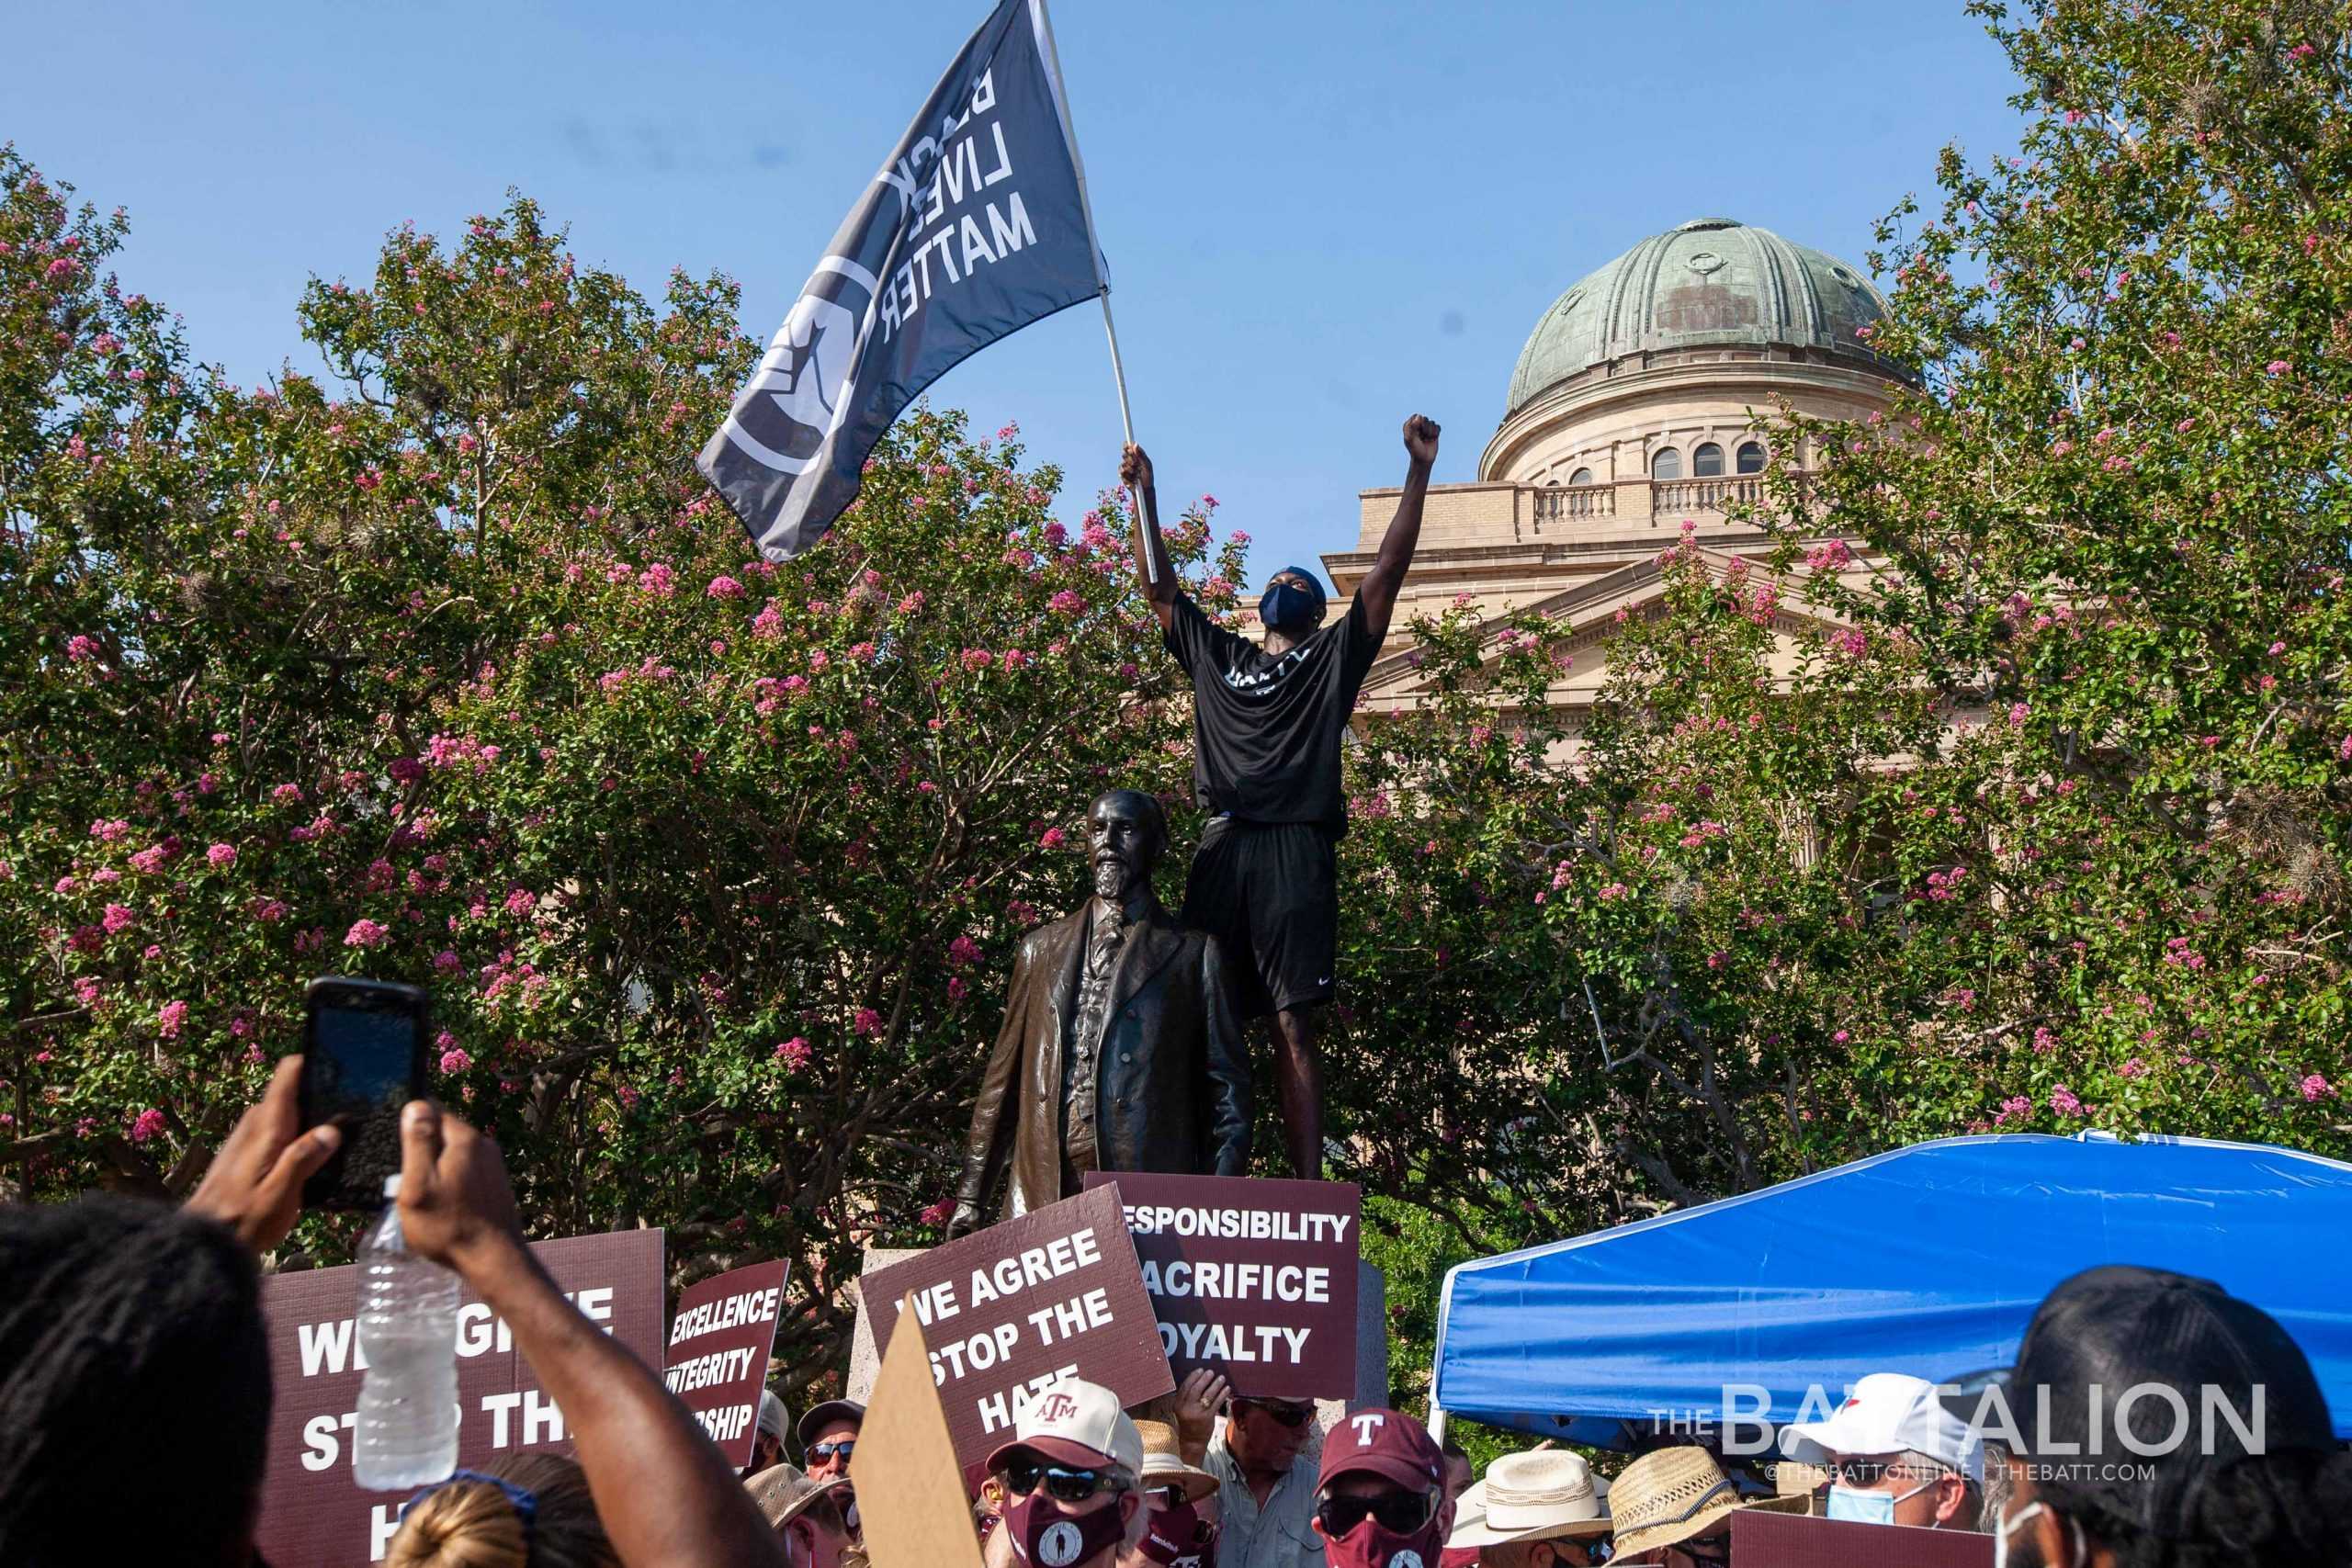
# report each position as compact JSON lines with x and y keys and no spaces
{"x":1380,"y":1498}
{"x":1265,"y":1480}
{"x":1180,"y":1505}
{"x":828,"y":1437}
{"x":1895,"y":1456}
{"x":1070,"y":1479}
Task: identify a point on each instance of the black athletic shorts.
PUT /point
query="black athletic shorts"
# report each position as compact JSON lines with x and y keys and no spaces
{"x":1270,"y":893}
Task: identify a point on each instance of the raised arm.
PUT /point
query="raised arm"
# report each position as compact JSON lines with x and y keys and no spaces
{"x":1377,"y":592}
{"x":666,"y":1498}
{"x":1134,"y":471}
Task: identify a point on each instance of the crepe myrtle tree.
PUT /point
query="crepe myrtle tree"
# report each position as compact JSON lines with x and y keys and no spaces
{"x":447,"y":669}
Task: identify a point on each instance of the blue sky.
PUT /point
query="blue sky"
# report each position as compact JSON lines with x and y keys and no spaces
{"x":1319,"y":217}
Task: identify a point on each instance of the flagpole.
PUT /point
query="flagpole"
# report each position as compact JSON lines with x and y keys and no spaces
{"x":1044,"y":25}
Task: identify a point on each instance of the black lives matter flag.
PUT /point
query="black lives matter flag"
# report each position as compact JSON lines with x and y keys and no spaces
{"x":975,"y":226}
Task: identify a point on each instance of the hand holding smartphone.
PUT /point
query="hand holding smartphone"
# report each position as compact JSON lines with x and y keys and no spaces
{"x":363,"y":1058}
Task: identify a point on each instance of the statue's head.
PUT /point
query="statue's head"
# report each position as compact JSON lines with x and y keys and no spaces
{"x":1125,"y":832}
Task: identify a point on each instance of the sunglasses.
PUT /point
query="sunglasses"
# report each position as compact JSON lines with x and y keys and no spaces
{"x":1402,"y":1512}
{"x":1291,"y":1415}
{"x":1022,"y":1476}
{"x":1868,"y":1472}
{"x":819,"y":1452}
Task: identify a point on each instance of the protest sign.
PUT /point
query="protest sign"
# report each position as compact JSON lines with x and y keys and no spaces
{"x":1255,"y":1280}
{"x":312,"y":1516}
{"x":1793,"y":1540}
{"x":909,"y":1487}
{"x":718,"y":1353}
{"x":1014,"y":1309}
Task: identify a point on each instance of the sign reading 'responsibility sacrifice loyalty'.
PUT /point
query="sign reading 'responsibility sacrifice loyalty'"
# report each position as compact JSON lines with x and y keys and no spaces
{"x":1009,"y":1310}
{"x":1253,"y":1280}
{"x":975,"y":226}
{"x":718,"y":1353}
{"x":312,"y":1514}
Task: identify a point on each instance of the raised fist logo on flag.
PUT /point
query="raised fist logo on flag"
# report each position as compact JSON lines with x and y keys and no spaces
{"x":798,"y":397}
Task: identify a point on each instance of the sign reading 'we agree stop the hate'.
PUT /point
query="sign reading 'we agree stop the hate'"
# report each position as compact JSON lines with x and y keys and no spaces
{"x":1009,"y":1310}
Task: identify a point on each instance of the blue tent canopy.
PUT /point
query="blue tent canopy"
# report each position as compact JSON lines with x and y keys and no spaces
{"x":1928,"y":1260}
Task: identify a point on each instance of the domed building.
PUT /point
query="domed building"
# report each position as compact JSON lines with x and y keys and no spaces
{"x":1643,"y":399}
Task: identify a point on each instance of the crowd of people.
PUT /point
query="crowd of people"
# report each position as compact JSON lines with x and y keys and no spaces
{"x":117,"y":1306}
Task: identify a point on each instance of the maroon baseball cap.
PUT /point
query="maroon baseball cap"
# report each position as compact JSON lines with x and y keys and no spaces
{"x":1387,"y":1443}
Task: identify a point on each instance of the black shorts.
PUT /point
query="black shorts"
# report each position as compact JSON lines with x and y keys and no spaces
{"x":1269,"y":892}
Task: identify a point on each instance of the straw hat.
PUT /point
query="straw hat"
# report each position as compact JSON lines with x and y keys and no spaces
{"x":1674,"y":1494}
{"x":784,"y":1491}
{"x":1548,"y":1494}
{"x":1163,"y":1462}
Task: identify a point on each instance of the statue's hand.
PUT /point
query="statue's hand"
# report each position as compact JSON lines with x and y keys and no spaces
{"x":965,"y":1220}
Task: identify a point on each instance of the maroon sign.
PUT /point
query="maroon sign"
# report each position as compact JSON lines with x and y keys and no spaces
{"x":1760,"y":1540}
{"x":718,"y":1353}
{"x":1014,"y":1309}
{"x":1254,"y":1279}
{"x":312,"y":1515}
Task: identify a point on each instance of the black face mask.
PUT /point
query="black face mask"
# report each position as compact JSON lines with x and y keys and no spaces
{"x":1287,"y":607}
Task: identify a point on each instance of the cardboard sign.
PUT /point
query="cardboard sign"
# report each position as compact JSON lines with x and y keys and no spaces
{"x":312,"y":1514}
{"x":909,"y":1485}
{"x":1793,"y":1540}
{"x":1254,"y":1279}
{"x":1014,"y":1309}
{"x":718,"y":1353}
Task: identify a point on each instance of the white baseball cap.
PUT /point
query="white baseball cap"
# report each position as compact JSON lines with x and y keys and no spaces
{"x":1888,"y":1413}
{"x":1075,"y":1423}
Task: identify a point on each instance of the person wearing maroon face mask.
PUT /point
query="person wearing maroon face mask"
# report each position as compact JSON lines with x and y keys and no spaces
{"x":1180,"y":1505}
{"x":1070,"y":1478}
{"x":1381,"y":1499}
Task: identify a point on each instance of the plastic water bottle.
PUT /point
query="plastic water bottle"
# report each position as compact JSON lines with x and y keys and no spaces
{"x":407,"y":1432}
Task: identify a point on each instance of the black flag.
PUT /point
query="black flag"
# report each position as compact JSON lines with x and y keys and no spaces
{"x":976,"y":226}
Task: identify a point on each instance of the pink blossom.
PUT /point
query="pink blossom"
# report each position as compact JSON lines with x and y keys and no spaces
{"x":448,"y":962}
{"x":2062,"y":1100}
{"x":286,"y":794}
{"x":794,"y":1054}
{"x":107,"y":832}
{"x":2277,"y":368}
{"x":269,"y":911}
{"x":2134,"y":1068}
{"x":1052,"y":838}
{"x":963,"y":952}
{"x":146,"y":1124}
{"x":169,"y":1019}
{"x":868,"y":1023}
{"x":521,"y":901}
{"x":455,"y":1060}
{"x":79,"y":648}
{"x":2017,"y":1108}
{"x":938,"y":1214}
{"x":1066,"y":602}
{"x":117,"y":919}
{"x":2018,"y":712}
{"x":221,"y":854}
{"x":151,"y":860}
{"x":957,"y":990}
{"x":67,"y":884}
{"x":2316,"y":1088}
{"x":723,"y":587}
{"x":1612,"y":891}
{"x":657,"y":582}
{"x":366,"y":933}
{"x":2044,"y":1042}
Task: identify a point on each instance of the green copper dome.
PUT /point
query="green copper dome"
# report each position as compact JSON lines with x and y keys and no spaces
{"x":1712,"y":280}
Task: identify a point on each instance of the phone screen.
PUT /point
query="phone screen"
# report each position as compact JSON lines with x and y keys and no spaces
{"x":360,"y":1059}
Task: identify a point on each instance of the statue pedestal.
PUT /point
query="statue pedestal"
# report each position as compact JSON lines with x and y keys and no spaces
{"x":1372,"y":1339}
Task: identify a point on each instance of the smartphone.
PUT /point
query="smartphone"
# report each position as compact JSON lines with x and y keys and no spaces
{"x":363,"y":1058}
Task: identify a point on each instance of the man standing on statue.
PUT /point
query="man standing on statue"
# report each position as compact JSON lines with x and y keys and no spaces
{"x":1268,"y":723}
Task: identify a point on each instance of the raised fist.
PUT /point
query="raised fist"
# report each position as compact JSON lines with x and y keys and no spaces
{"x":1420,"y":438}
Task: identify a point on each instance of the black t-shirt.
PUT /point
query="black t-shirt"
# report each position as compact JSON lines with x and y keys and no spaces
{"x":1266,"y":731}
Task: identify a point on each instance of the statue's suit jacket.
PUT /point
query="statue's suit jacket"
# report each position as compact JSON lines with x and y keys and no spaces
{"x":1172,"y":1076}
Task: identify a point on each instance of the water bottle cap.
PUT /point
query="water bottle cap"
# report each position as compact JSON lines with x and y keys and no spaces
{"x":393,"y":1185}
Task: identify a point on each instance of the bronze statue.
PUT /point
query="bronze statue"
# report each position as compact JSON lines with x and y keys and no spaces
{"x":1268,"y":726}
{"x":1120,"y":1049}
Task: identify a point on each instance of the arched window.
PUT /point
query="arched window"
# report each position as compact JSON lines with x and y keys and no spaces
{"x":1665,"y":464}
{"x":1581,"y":477}
{"x":1707,"y":462}
{"x":1751,"y":458}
